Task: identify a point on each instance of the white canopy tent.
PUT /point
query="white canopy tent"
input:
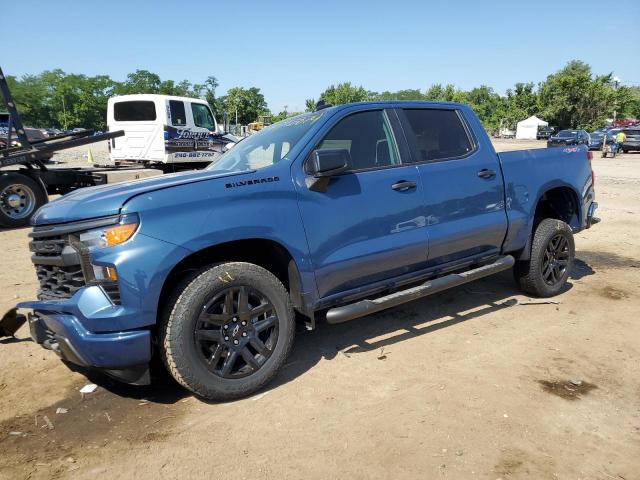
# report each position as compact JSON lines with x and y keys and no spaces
{"x":528,"y":128}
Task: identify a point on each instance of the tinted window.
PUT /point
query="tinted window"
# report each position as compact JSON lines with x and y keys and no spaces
{"x":632,"y":132}
{"x":178,"y":115}
{"x":202,"y":116}
{"x":134,"y":111}
{"x":367,"y":136}
{"x":438,"y":134}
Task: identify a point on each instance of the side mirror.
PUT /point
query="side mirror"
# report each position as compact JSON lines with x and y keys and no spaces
{"x":325,"y":164}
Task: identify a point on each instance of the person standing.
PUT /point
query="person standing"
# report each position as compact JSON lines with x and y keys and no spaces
{"x":620,"y":138}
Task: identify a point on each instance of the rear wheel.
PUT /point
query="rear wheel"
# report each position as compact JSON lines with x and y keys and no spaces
{"x":20,"y":197}
{"x":228,"y":331}
{"x":552,"y":254}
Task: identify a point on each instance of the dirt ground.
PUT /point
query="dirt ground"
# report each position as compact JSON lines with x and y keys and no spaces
{"x":466,"y":384}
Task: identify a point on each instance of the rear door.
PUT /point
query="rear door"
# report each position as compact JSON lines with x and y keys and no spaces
{"x":369,"y":223}
{"x":142,"y":126}
{"x":463,"y":187}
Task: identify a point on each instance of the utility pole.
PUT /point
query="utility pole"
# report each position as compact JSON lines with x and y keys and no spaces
{"x":64,"y":113}
{"x":616,"y":82}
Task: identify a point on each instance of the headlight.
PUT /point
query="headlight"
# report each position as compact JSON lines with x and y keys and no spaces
{"x":111,"y":235}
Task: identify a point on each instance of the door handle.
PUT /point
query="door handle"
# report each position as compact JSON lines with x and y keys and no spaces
{"x":486,"y":173}
{"x":403,"y":186}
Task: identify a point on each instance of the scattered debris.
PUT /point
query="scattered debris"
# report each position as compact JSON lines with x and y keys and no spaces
{"x":569,"y":390}
{"x":505,"y":415}
{"x":60,"y":410}
{"x":15,"y":434}
{"x":106,"y":414}
{"x":540,"y":302}
{"x":459,"y":453}
{"x":47,"y":422}
{"x":89,"y":388}
{"x":510,"y":303}
{"x":165,"y":418}
{"x":382,"y":355}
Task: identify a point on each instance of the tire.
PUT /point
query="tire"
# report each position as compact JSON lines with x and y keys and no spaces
{"x":204,"y":329}
{"x":20,"y":197}
{"x":536,"y":276}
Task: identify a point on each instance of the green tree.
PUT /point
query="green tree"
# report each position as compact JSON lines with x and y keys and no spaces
{"x":310,"y":105}
{"x":343,"y":93}
{"x":572,"y":97}
{"x":521,"y":102}
{"x":409,"y":94}
{"x":249,"y":104}
{"x":141,"y":81}
{"x":488,"y":105}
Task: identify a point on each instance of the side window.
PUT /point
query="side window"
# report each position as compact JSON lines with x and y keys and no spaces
{"x":178,"y":115}
{"x":437,"y":134}
{"x":367,"y":136}
{"x":202,"y":116}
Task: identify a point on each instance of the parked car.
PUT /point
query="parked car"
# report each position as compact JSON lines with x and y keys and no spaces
{"x":596,"y":139}
{"x":568,"y":137}
{"x":632,"y":140}
{"x":545,"y":132}
{"x":33,"y":134}
{"x":337,"y":213}
{"x":163,"y":130}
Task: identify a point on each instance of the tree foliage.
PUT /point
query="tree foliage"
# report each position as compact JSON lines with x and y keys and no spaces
{"x":249,"y":104}
{"x":570,"y":98}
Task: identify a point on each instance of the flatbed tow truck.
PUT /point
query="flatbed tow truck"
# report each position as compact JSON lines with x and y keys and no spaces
{"x":26,"y":180}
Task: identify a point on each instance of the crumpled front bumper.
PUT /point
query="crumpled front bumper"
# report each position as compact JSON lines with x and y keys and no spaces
{"x":59,"y":326}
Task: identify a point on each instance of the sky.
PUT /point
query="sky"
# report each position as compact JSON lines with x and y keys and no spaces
{"x":293,"y":50}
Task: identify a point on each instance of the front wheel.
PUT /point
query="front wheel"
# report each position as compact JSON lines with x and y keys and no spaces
{"x":227,"y":331}
{"x":20,"y":197}
{"x":552,"y":254}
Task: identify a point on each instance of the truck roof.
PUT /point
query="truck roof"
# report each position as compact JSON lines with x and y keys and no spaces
{"x":398,"y":103}
{"x":153,"y":97}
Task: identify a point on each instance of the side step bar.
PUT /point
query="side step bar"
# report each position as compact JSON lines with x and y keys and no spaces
{"x":367,"y":307}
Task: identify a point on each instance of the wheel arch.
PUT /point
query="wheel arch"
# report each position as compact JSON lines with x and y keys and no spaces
{"x":560,"y":202}
{"x":266,"y":253}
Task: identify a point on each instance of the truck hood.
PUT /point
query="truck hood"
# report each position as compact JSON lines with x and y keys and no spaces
{"x":104,"y":200}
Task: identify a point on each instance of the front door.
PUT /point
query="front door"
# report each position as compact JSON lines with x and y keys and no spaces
{"x":369,"y":223}
{"x":463,"y":187}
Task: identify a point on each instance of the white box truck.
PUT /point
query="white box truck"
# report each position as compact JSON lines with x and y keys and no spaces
{"x":163,"y":130}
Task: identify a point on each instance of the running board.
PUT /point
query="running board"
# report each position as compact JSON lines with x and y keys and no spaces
{"x":367,"y":307}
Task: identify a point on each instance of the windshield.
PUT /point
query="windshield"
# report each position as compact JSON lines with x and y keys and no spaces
{"x":268,"y":146}
{"x":567,"y":133}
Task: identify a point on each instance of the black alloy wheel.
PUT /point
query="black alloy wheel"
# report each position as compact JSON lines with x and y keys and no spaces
{"x":555,"y":260}
{"x":236,"y":332}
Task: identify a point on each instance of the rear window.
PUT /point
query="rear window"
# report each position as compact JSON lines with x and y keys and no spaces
{"x":438,"y":134}
{"x":632,"y":132}
{"x":134,"y":111}
{"x":178,"y":115}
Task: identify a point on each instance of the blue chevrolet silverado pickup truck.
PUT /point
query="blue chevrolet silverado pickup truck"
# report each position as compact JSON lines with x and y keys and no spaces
{"x":337,"y":214}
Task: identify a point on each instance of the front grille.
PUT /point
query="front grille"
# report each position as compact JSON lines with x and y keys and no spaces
{"x":59,"y":258}
{"x":59,"y":282}
{"x":58,"y":266}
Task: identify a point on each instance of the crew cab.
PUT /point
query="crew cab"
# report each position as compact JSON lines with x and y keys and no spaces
{"x":333,"y":214}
